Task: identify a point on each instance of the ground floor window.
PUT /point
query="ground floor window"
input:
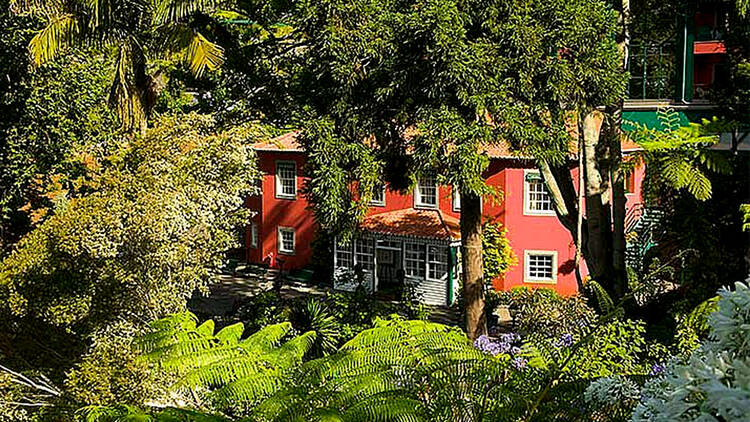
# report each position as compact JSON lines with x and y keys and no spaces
{"x":414,"y":260}
{"x":437,"y":262}
{"x":344,"y":257}
{"x":286,"y":240}
{"x":540,"y":266}
{"x":253,"y":235}
{"x":365,"y":254}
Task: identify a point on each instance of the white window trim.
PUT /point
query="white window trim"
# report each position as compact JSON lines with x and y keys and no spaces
{"x":280,"y":244}
{"x":278,"y":191}
{"x":375,"y":203}
{"x":254,"y":235}
{"x":527,"y":279}
{"x":456,"y":199}
{"x":526,"y":208}
{"x":418,"y":197}
{"x":429,"y":264}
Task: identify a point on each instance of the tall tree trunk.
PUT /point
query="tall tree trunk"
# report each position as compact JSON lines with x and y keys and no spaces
{"x":473,"y":274}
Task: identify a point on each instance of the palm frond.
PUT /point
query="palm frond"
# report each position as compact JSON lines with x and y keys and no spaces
{"x":202,"y":55}
{"x":175,"y":11}
{"x":58,"y":34}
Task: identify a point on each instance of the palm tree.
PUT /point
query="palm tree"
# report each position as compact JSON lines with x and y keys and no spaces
{"x":132,"y":29}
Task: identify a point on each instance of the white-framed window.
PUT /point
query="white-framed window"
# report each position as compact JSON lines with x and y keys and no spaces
{"x":364,"y":254}
{"x":378,"y":196}
{"x":540,"y":266}
{"x":253,"y":235}
{"x":536,"y":201}
{"x":426,"y":193}
{"x":456,"y":199}
{"x":286,"y":179}
{"x":437,"y":262}
{"x":287,"y":239}
{"x":414,"y":259}
{"x":344,"y":256}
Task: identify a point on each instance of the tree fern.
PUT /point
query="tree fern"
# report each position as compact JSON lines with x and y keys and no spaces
{"x":223,"y":367}
{"x":678,"y":156}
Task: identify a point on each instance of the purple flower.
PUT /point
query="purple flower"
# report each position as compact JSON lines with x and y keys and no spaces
{"x":658,"y":369}
{"x":487,"y":345}
{"x":566,"y":340}
{"x":515,"y":350}
{"x":519,"y":362}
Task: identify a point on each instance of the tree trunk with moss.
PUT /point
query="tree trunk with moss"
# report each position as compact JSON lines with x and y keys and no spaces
{"x":473,"y":280}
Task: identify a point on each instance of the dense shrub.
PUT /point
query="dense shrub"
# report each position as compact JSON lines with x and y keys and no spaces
{"x":712,"y":384}
{"x":545,"y":313}
{"x":110,"y":372}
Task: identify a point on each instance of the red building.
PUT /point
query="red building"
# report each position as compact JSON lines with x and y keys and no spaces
{"x":415,"y":237}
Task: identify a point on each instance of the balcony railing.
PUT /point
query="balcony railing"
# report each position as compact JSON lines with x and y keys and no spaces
{"x":652,"y":70}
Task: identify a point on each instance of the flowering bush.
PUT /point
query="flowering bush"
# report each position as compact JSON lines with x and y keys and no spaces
{"x":713,"y":384}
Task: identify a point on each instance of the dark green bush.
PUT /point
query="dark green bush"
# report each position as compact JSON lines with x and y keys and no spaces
{"x":546,"y":313}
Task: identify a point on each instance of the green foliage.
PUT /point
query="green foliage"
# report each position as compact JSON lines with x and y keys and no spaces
{"x":149,"y":227}
{"x":110,"y":372}
{"x":693,"y":328}
{"x":497,"y":255}
{"x":315,"y":316}
{"x":678,"y":157}
{"x":228,"y":370}
{"x":711,"y":384}
{"x":376,"y":116}
{"x":163,"y":210}
{"x":545,"y":313}
{"x":61,"y":127}
{"x":745,"y":209}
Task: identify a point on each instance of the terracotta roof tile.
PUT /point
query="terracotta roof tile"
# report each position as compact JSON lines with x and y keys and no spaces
{"x":414,"y":223}
{"x":285,"y":142}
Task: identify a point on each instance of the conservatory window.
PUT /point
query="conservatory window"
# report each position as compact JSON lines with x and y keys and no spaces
{"x":414,"y":260}
{"x":437,"y":262}
{"x":364,"y":254}
{"x":344,"y":256}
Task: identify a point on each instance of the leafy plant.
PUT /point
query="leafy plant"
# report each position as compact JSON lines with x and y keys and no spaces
{"x":711,"y":384}
{"x":497,"y":255}
{"x":545,"y":313}
{"x":678,"y":156}
{"x":230,"y":371}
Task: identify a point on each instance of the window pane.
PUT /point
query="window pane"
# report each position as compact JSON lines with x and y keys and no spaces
{"x":286,"y":242}
{"x":364,"y":251}
{"x":427,"y":191}
{"x":437,"y":259}
{"x":287,"y":177}
{"x":344,"y":255}
{"x":541,"y":267}
{"x":378,"y":195}
{"x":414,"y":260}
{"x":537,"y":197}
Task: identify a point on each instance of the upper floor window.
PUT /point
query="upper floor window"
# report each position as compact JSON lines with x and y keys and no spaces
{"x":456,"y":199}
{"x":286,"y":179}
{"x":537,"y":200}
{"x":652,"y":68}
{"x":540,"y":266}
{"x":287,"y":240}
{"x":630,"y":182}
{"x":378,"y":196}
{"x":426,"y":193}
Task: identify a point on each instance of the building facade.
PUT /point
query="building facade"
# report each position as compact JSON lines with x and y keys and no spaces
{"x":414,"y":237}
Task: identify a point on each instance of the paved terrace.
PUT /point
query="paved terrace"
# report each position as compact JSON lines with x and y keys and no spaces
{"x":233,"y":289}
